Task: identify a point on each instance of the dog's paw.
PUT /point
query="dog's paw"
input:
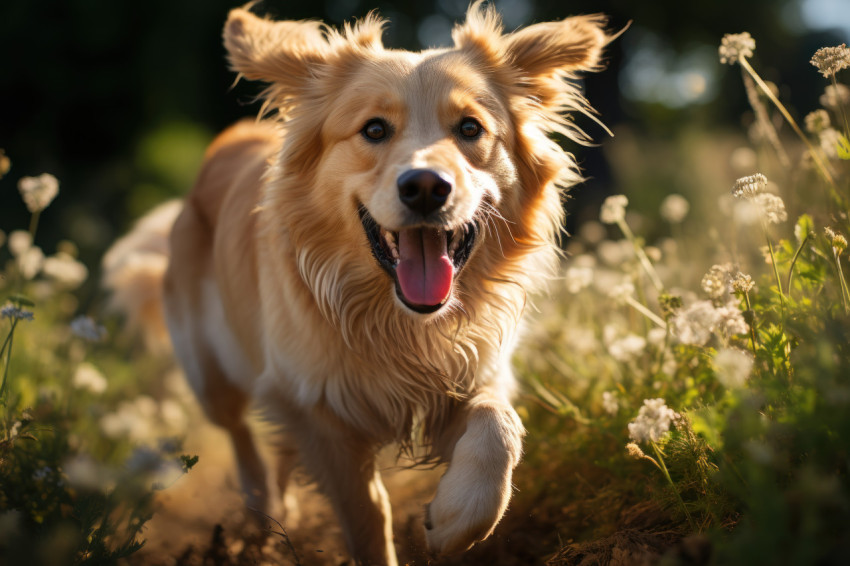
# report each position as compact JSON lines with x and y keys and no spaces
{"x":473,"y":494}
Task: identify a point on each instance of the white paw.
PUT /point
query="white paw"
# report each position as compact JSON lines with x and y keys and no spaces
{"x":473,"y":494}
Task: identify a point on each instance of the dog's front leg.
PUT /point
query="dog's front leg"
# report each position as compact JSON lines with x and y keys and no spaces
{"x":474,"y":492}
{"x":343,"y":464}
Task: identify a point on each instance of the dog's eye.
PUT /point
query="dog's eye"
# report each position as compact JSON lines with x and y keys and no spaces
{"x":470,"y":128}
{"x":375,"y":130}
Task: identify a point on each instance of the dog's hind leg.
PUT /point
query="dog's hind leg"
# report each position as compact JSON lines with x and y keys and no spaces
{"x":225,"y":405}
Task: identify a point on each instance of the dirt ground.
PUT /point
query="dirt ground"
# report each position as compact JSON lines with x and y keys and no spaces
{"x":202,"y":521}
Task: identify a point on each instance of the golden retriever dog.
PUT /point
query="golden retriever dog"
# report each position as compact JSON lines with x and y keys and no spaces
{"x":356,"y":266}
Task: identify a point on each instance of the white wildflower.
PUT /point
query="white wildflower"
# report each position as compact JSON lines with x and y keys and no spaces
{"x":830,"y":60}
{"x":694,"y":325}
{"x":835,"y":96}
{"x":730,"y":322}
{"x":89,"y":378}
{"x":656,"y":336}
{"x":627,"y":348}
{"x":30,"y":262}
{"x":830,"y":139}
{"x":610,"y":403}
{"x":817,"y":121}
{"x":674,"y":208}
{"x":742,"y":283}
{"x":86,"y":328}
{"x":622,"y":292}
{"x":65,"y":270}
{"x":733,"y":367}
{"x":836,"y":240}
{"x":613,"y":209}
{"x":577,"y":278}
{"x":615,"y":253}
{"x":653,"y":421}
{"x":772,"y":207}
{"x":715,"y":283}
{"x":749,"y":186}
{"x":38,"y":192}
{"x":19,"y":242}
{"x":734,"y":46}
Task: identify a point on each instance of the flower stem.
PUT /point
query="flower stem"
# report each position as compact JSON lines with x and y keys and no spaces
{"x":841,"y":106}
{"x":666,"y":473}
{"x":7,"y":343}
{"x":641,"y":255}
{"x":845,"y":293}
{"x":646,"y":312}
{"x":753,"y":323}
{"x":784,"y":111}
{"x":782,"y":298}
{"x":793,"y":262}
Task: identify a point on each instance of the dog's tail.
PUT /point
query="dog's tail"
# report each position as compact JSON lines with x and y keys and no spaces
{"x":133,"y":271}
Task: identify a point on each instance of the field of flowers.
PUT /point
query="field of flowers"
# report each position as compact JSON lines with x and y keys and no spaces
{"x":686,"y":382}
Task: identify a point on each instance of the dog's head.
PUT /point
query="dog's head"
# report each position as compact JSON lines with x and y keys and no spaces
{"x":441,"y":159}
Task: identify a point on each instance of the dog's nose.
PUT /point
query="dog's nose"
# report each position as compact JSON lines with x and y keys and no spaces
{"x":423,"y":190}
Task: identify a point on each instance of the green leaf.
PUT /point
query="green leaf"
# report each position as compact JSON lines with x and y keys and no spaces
{"x":843,"y":147}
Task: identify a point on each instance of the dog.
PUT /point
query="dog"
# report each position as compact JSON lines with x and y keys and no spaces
{"x":355,"y":263}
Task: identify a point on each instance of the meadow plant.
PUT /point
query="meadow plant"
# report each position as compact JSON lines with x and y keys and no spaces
{"x":729,"y":369}
{"x":69,"y":493}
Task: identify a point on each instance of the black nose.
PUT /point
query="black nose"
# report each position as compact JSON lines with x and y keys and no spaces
{"x":423,"y":190}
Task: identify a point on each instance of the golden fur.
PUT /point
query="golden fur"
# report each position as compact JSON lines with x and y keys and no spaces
{"x":273,"y":296}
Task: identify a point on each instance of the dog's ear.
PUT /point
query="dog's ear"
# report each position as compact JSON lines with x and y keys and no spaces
{"x":273,"y":52}
{"x":537,"y":54}
{"x":574,"y":44}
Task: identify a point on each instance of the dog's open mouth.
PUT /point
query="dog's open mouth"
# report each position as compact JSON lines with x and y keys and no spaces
{"x":422,"y":261}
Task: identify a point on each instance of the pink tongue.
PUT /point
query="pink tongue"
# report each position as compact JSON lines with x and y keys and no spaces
{"x":424,"y":269}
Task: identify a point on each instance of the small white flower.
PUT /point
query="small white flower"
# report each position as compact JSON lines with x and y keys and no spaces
{"x":653,"y":421}
{"x":86,"y":328}
{"x":733,"y":367}
{"x":38,"y":192}
{"x":734,"y":46}
{"x":65,"y":270}
{"x":610,"y":403}
{"x":89,"y":377}
{"x":715,"y":283}
{"x":830,"y":139}
{"x":835,"y":96}
{"x":613,"y":209}
{"x":674,"y":208}
{"x":30,"y":262}
{"x":742,"y":283}
{"x":577,"y":278}
{"x":749,"y":186}
{"x":694,"y":325}
{"x":730,"y":322}
{"x":19,"y":242}
{"x":817,"y":121}
{"x":627,"y":348}
{"x":656,"y":336}
{"x":830,"y":60}
{"x":772,"y":207}
{"x":622,"y":292}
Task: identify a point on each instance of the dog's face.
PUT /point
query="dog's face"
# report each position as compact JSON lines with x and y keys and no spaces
{"x":418,"y":145}
{"x":425,"y":153}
